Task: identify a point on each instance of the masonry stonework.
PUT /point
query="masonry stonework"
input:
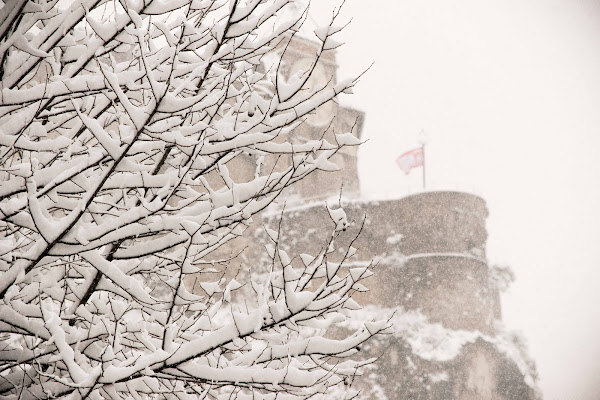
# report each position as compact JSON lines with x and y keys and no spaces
{"x":432,"y":278}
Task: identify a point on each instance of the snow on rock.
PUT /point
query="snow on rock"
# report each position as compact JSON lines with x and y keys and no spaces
{"x":433,"y":342}
{"x":394,"y":239}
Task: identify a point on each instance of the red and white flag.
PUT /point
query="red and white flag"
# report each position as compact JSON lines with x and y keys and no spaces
{"x":410,"y":159}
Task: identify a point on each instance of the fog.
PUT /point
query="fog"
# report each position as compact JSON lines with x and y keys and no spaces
{"x":507,"y":93}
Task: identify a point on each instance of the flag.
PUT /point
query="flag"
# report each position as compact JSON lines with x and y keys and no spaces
{"x":410,"y":159}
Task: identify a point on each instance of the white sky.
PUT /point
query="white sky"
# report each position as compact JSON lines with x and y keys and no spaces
{"x":508,"y":92}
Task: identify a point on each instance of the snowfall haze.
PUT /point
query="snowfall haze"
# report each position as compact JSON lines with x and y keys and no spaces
{"x":507,"y":93}
{"x":137,"y":144}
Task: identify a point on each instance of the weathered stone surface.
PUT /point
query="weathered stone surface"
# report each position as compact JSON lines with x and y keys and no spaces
{"x":428,"y":252}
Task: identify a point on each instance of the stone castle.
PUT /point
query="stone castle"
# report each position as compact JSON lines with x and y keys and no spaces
{"x":432,"y":277}
{"x":431,"y":274}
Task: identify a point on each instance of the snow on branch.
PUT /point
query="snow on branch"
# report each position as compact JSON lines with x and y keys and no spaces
{"x":137,"y":139}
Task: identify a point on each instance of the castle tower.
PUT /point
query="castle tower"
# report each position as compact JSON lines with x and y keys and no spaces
{"x":432,"y":275}
{"x":326,"y":121}
{"x":445,"y":274}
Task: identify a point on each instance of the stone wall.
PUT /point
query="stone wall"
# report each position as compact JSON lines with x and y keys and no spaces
{"x":428,"y":251}
{"x":428,"y":254}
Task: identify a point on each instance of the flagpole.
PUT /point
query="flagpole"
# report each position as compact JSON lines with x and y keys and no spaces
{"x":423,"y":141}
{"x":423,"y":144}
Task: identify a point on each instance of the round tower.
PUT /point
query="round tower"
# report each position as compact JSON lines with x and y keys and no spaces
{"x":429,"y":252}
{"x":445,"y":273}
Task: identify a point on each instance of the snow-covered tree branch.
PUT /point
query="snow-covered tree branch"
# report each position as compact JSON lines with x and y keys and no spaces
{"x":136,"y":138}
